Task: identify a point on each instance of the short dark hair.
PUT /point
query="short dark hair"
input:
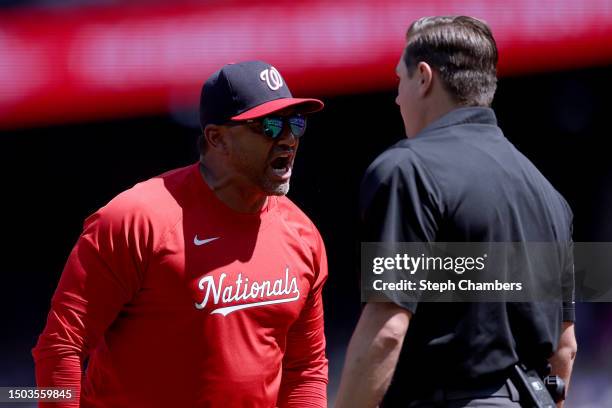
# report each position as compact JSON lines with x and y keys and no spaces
{"x":462,"y":50}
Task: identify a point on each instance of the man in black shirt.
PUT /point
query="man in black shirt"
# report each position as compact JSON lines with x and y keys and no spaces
{"x":456,"y":178}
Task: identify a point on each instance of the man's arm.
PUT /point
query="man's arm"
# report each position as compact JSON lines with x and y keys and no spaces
{"x":99,"y":277}
{"x":304,"y":378}
{"x":562,"y":360}
{"x":372,"y":355}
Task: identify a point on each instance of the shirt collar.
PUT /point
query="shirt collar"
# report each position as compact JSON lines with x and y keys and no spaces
{"x":459,"y":116}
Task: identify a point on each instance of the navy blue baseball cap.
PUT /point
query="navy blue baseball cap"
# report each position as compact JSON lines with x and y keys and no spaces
{"x":248,"y":90}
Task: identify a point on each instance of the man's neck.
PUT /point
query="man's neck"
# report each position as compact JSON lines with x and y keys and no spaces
{"x":239,"y":199}
{"x":435,"y":111}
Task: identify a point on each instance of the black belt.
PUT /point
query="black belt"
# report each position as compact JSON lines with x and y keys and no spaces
{"x":504,"y":390}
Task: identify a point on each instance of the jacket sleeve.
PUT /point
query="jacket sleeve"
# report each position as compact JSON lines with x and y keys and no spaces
{"x":101,"y":275}
{"x":304,"y":379}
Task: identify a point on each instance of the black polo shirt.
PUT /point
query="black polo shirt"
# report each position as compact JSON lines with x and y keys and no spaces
{"x":461,"y":180}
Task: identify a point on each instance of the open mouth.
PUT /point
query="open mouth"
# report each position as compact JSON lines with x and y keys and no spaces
{"x":281,"y":166}
{"x":281,"y":163}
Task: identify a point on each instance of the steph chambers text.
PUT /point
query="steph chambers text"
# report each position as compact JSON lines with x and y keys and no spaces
{"x":464,"y":285}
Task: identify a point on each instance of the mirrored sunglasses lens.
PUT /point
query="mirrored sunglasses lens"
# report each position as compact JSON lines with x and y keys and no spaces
{"x":273,"y":127}
{"x":297,"y":125}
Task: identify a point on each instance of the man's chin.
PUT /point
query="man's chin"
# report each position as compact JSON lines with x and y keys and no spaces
{"x":277,"y":189}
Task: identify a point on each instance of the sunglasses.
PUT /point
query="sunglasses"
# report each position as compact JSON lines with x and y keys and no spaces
{"x":272,"y":126}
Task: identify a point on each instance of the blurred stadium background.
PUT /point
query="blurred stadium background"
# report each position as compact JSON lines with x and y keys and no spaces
{"x":96,"y":95}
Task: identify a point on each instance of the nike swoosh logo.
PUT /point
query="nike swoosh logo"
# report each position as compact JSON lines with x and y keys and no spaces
{"x":199,"y":242}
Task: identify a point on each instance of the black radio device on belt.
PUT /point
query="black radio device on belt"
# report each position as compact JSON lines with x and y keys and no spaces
{"x":534,"y":391}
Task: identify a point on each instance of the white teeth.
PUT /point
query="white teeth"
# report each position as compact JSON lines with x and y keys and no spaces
{"x":281,"y":172}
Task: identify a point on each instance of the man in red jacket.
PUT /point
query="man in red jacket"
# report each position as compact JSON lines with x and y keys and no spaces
{"x":200,"y":287}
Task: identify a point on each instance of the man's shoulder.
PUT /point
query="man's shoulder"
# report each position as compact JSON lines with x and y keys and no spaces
{"x":396,"y":155}
{"x":296,"y":219}
{"x":398,"y":162}
{"x":156,"y":199}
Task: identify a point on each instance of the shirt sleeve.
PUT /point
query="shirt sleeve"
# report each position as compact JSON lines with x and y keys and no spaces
{"x":102,"y":274}
{"x":568,"y":282}
{"x":399,"y":202}
{"x":304,"y":378}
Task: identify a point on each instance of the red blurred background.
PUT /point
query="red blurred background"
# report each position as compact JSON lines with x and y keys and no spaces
{"x":71,"y":64}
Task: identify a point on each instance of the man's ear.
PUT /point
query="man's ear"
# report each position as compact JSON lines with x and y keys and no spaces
{"x":216,"y":138}
{"x":425,"y":74}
